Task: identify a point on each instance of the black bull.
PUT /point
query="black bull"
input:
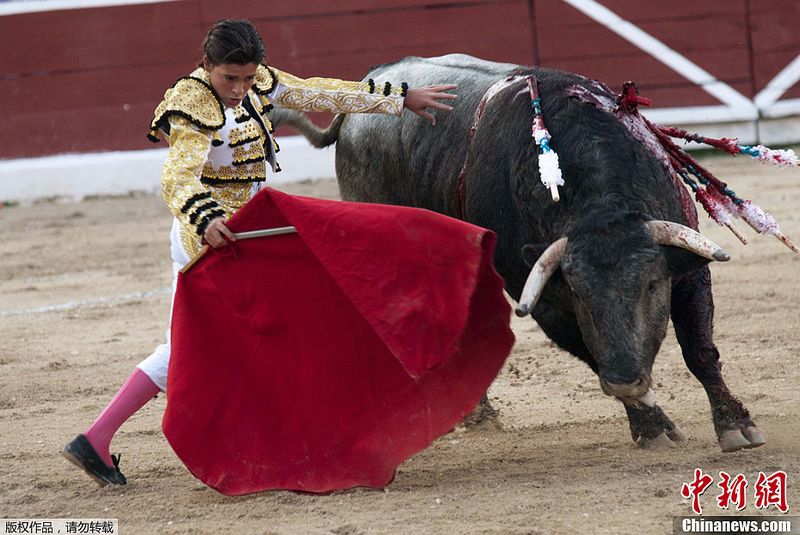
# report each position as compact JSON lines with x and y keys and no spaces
{"x":614,"y":284}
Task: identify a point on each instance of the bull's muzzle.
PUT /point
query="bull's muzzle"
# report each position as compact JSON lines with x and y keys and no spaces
{"x":635,"y":390}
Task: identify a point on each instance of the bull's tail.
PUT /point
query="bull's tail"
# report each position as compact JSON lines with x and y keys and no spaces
{"x":299,"y":121}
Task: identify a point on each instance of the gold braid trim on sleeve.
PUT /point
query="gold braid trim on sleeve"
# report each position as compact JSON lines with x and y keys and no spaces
{"x":187,"y":198}
{"x":192,"y":99}
{"x":336,"y":96}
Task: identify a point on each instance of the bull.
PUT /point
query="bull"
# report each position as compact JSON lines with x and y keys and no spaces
{"x":601,"y":271}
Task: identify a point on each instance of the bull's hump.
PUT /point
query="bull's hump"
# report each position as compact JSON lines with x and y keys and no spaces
{"x":453,"y":67}
{"x":463,"y":61}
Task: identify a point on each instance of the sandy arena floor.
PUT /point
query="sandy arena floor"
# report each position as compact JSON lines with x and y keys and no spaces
{"x":83,"y":298}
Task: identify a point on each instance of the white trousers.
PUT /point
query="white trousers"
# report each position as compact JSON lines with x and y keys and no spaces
{"x":155,"y":366}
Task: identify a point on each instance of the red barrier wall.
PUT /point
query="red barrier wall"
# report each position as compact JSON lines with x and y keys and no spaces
{"x":88,"y":79}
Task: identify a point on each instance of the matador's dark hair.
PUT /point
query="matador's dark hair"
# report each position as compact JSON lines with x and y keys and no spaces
{"x":233,"y":41}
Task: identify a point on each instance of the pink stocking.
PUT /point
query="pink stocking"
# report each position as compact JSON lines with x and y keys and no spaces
{"x":133,"y":395}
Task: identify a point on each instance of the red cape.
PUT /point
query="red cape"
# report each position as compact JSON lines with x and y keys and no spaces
{"x":321,"y":360}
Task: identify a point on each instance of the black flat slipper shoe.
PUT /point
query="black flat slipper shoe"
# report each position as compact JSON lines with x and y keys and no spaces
{"x":83,"y":455}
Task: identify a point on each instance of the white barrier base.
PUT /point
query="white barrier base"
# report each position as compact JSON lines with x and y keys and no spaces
{"x":76,"y":176}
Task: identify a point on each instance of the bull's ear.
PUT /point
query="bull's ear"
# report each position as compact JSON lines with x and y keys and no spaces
{"x":532,"y":251}
{"x":681,"y":261}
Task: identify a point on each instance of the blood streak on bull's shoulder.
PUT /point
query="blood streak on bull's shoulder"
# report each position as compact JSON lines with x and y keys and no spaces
{"x":490,"y":93}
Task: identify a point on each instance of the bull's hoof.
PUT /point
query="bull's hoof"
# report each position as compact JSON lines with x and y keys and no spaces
{"x":667,"y":439}
{"x":651,"y":427}
{"x":660,"y":442}
{"x":483,"y":417}
{"x":737,"y":439}
{"x":677,"y":434}
{"x":486,"y":424}
{"x":732,"y":440}
{"x":755,"y":436}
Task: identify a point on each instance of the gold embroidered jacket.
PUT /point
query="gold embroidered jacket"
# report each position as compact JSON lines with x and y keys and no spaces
{"x":217,"y":154}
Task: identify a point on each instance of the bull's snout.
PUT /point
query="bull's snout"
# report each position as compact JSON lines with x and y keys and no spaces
{"x":625,"y":390}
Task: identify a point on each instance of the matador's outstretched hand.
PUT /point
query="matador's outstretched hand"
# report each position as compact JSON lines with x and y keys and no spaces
{"x":420,"y":99}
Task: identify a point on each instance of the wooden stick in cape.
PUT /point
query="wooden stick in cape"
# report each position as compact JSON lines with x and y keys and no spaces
{"x":277,"y":231}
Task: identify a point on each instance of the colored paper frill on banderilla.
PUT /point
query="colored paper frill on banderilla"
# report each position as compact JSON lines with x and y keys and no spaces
{"x":321,"y":360}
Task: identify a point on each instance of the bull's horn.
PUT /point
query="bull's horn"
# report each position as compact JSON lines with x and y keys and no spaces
{"x":544,"y":267}
{"x":670,"y":233}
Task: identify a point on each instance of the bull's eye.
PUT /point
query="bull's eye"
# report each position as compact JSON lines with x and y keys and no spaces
{"x":652,"y":286}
